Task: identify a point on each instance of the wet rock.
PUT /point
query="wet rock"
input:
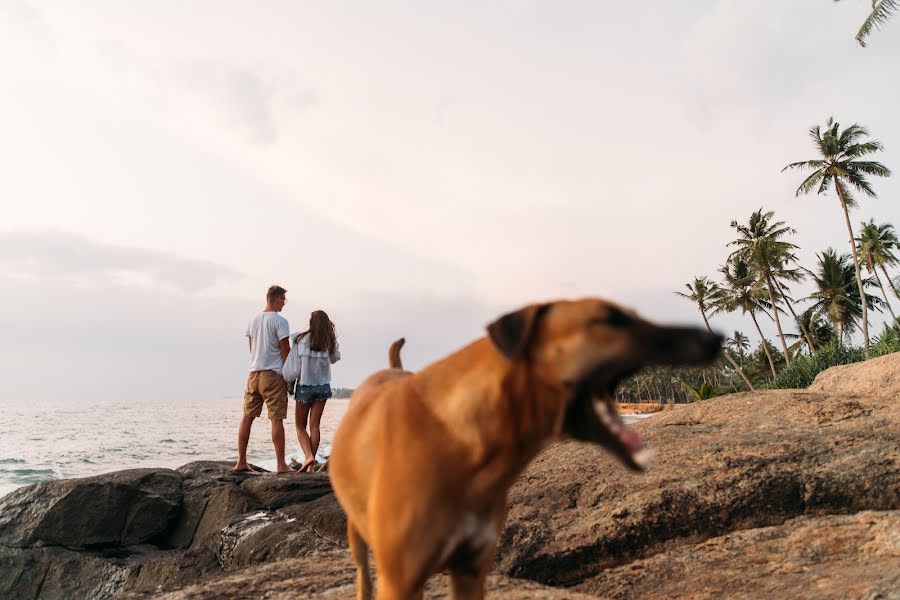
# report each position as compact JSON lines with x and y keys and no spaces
{"x":121,"y":508}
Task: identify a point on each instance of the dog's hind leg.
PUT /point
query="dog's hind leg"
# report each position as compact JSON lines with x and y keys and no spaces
{"x":359,"y":550}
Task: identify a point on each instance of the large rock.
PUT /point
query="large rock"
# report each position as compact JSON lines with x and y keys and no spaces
{"x":265,"y":536}
{"x":294,"y":488}
{"x":54,"y":573}
{"x":847,"y":556}
{"x":323,"y":515}
{"x":331,"y":575}
{"x":212,"y":497}
{"x":734,"y":462}
{"x":114,"y":509}
{"x":876,"y":377}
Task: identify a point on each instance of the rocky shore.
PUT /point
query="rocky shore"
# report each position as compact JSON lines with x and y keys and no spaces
{"x":777,"y":494}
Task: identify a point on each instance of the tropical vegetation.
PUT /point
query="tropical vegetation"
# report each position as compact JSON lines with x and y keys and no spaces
{"x":763,"y":265}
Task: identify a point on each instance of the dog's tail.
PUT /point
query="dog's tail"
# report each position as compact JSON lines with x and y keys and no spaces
{"x":394,"y":354}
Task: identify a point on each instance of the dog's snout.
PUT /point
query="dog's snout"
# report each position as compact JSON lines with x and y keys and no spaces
{"x":685,"y":345}
{"x":712,"y":343}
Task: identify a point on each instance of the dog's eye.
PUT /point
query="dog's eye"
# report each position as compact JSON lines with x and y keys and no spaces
{"x":613,"y":318}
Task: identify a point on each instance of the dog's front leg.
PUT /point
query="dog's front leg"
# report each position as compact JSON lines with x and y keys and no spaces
{"x":468,"y":586}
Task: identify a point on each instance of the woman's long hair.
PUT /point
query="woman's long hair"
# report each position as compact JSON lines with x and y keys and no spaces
{"x":321,"y":332}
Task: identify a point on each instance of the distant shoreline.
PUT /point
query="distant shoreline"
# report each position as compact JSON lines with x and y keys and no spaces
{"x":642,"y":408}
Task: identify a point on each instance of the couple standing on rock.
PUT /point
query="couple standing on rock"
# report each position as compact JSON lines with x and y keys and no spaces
{"x":316,"y":349}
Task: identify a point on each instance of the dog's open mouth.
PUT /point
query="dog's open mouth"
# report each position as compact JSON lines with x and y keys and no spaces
{"x":592,"y":417}
{"x":627,"y":443}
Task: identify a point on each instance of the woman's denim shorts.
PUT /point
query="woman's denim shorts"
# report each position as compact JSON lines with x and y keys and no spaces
{"x":307,"y":394}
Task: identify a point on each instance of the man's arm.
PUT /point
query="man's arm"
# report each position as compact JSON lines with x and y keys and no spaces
{"x":285,"y":349}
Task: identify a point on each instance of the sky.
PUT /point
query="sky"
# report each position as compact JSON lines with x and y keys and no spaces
{"x":414,"y":169}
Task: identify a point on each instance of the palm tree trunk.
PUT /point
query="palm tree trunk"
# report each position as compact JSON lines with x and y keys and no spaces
{"x":764,"y":344}
{"x":728,"y":357}
{"x":859,"y":283}
{"x":812,"y":347}
{"x":890,"y":283}
{"x":787,"y":353}
{"x":884,"y":295}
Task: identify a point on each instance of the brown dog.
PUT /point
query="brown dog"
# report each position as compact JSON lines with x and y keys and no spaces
{"x":422,"y":463}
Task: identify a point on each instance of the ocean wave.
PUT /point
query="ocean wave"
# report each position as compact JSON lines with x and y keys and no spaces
{"x":11,"y":461}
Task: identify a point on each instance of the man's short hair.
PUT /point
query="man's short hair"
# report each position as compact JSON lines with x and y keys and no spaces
{"x":275,"y":292}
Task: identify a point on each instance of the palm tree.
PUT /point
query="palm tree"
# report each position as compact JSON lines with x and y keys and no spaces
{"x":740,"y":292}
{"x":739,"y":344}
{"x":874,"y":245}
{"x":707,"y":293}
{"x":704,"y":391}
{"x":840,"y":166}
{"x":819,"y":330}
{"x":762,"y":245}
{"x":882,"y":11}
{"x":836,"y":296}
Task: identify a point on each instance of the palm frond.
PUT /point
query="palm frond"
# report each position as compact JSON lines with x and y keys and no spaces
{"x":857,"y":150}
{"x":882,"y":11}
{"x":869,"y":168}
{"x":844,"y":192}
{"x":805,"y":164}
{"x":861,"y":184}
{"x":849,"y":136}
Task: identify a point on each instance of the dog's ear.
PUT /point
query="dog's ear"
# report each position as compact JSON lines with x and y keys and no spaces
{"x":512,"y":333}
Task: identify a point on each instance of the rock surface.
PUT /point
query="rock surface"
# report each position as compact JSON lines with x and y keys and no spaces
{"x":876,"y":377}
{"x":89,"y":538}
{"x":113,"y":509}
{"x":331,"y":575}
{"x":734,"y":462}
{"x":780,"y":494}
{"x":847,"y":556}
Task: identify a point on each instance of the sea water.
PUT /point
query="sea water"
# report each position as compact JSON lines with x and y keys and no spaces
{"x":54,"y":440}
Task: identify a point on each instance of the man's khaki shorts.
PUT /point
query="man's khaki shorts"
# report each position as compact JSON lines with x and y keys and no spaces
{"x":268,"y":387}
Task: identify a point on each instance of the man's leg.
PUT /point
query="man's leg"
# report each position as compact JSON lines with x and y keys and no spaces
{"x":301,"y":414}
{"x":315,"y":419}
{"x":243,"y":441}
{"x":253,"y":402}
{"x":278,"y":441}
{"x":274,"y":390}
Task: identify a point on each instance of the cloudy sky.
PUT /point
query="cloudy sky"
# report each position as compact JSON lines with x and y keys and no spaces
{"x":412,"y":169}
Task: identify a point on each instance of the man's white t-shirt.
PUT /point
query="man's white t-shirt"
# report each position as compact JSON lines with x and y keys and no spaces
{"x":265,"y":331}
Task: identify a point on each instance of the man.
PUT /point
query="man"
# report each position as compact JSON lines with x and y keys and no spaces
{"x":268,"y":336}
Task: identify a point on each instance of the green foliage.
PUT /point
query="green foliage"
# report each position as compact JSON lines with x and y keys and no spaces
{"x":886,"y":343}
{"x":881,"y":13}
{"x":704,"y":391}
{"x":804,"y":368}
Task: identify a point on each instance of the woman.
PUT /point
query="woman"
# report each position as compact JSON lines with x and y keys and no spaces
{"x":318,"y":349}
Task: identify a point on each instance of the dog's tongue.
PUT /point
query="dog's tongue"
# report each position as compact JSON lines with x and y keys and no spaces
{"x":631,"y":439}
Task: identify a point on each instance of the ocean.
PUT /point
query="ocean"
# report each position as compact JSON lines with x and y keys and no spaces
{"x":55,"y":440}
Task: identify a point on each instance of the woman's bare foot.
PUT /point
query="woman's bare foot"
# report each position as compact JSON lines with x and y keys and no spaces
{"x":242,"y":466}
{"x":307,"y":466}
